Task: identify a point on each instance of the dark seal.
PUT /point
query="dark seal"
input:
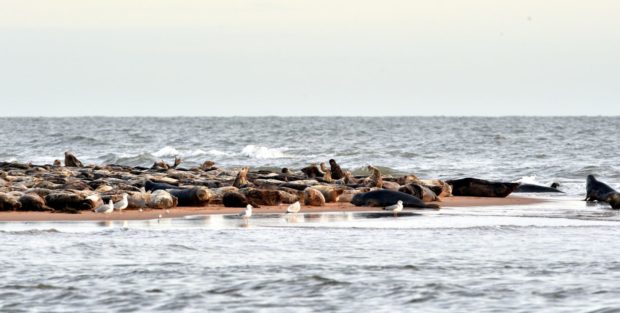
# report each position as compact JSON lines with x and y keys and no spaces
{"x":335,"y":169}
{"x":71,"y":160}
{"x":531,"y":188}
{"x":599,"y":191}
{"x":481,"y":188}
{"x":383,"y":198}
{"x":196,"y":196}
{"x":152,"y":186}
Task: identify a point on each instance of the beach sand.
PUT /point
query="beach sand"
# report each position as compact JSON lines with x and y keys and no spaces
{"x":450,"y":202}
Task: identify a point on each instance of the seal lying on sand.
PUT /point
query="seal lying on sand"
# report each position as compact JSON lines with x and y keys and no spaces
{"x":196,"y":196}
{"x":481,"y":188}
{"x":537,"y":188}
{"x":68,"y":202}
{"x":33,"y":202}
{"x":9,"y":203}
{"x":420,"y":191}
{"x":383,"y":198}
{"x":599,"y":191}
{"x":161,"y":199}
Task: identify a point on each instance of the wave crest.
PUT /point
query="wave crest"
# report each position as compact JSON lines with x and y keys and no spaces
{"x":260,"y":152}
{"x":166,"y":151}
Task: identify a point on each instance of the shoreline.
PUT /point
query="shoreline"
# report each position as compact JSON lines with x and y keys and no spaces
{"x":179,"y":212}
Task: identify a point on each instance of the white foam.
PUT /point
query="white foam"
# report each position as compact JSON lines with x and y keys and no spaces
{"x":194,"y":153}
{"x":260,"y":152}
{"x":166,"y":151}
{"x":529,"y":180}
{"x":217,"y":152}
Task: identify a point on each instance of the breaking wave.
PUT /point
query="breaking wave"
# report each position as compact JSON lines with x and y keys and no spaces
{"x":260,"y":152}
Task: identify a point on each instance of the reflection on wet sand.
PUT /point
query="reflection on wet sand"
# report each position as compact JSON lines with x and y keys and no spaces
{"x":214,"y":221}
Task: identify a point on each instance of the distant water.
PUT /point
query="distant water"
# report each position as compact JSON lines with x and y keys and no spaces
{"x":550,"y":257}
{"x":545,"y":149}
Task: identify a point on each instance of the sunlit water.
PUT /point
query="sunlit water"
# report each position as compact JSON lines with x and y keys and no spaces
{"x":559,"y":256}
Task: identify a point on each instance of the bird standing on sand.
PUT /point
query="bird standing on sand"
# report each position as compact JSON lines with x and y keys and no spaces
{"x":247,"y":213}
{"x":398,"y":207}
{"x":294,"y":208}
{"x":106,"y":208}
{"x":71,"y":160}
{"x":121,"y":205}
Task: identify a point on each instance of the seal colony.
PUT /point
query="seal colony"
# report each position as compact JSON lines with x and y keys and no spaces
{"x":75,"y":187}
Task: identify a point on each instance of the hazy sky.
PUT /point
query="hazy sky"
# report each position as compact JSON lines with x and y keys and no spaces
{"x":318,"y":57}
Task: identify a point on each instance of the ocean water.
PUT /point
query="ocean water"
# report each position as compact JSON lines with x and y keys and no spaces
{"x":558,"y":256}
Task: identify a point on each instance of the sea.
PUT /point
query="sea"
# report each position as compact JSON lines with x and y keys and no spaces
{"x":560,"y":255}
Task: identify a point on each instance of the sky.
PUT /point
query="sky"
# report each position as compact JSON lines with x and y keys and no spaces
{"x":318,"y":57}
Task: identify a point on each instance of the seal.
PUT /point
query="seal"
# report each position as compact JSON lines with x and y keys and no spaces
{"x":137,"y":200}
{"x":330,"y":193}
{"x":347,"y":196}
{"x":390,"y":185}
{"x":420,"y":191}
{"x":161,"y":199}
{"x":208,"y":166}
{"x":313,"y":197}
{"x":375,"y":180}
{"x":161,"y":165}
{"x":335,"y":170}
{"x":481,"y":188}
{"x":71,"y":160}
{"x":68,"y":202}
{"x":599,"y":191}
{"x":327,"y":177}
{"x":262,"y":196}
{"x":242,"y":177}
{"x":152,"y":186}
{"x":407,"y":179}
{"x":440,"y":187}
{"x":288,"y":196}
{"x":531,"y":188}
{"x":383,"y":198}
{"x":235,"y":199}
{"x":196,"y":196}
{"x":312,"y":171}
{"x":33,"y":202}
{"x":349,"y":179}
{"x":8,"y":202}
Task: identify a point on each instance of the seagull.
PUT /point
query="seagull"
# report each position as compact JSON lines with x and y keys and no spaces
{"x":293,"y":208}
{"x":121,"y":205}
{"x":247,"y":213}
{"x":106,"y":208}
{"x":398,"y":207}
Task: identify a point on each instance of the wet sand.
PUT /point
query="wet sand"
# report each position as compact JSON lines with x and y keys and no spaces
{"x":450,"y":202}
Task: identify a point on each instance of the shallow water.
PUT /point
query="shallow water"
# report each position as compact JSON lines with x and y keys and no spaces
{"x":531,"y":258}
{"x":558,"y":256}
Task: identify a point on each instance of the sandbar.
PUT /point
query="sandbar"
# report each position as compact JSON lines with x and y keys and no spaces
{"x":178,"y":212}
